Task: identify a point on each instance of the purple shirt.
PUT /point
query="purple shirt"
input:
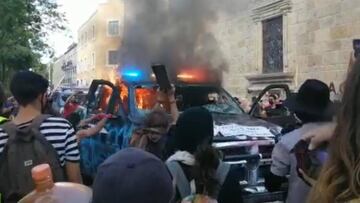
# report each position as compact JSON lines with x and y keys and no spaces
{"x":284,"y":163}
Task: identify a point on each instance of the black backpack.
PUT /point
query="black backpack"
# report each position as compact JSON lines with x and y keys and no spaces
{"x":25,"y":149}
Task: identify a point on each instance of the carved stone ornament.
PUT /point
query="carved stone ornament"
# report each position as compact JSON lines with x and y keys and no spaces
{"x":260,"y":81}
{"x":265,"y":9}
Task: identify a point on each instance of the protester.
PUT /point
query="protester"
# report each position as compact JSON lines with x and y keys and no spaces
{"x":133,"y":176}
{"x":272,"y":102}
{"x":48,"y":109}
{"x":312,"y":106}
{"x":339,"y":180}
{"x":168,"y":98}
{"x":166,"y":101}
{"x":152,"y":136}
{"x":11,"y":108}
{"x":197,"y":163}
{"x":72,"y":105}
{"x":85,"y":129}
{"x":59,"y":146}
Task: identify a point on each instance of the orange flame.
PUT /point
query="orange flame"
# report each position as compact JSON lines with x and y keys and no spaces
{"x":145,"y":97}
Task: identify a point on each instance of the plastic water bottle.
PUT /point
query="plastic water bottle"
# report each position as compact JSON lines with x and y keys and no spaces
{"x":46,"y":191}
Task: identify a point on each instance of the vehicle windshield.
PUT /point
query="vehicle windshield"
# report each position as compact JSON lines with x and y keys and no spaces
{"x":215,"y":99}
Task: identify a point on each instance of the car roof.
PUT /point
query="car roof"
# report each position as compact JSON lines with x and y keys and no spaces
{"x":139,"y":83}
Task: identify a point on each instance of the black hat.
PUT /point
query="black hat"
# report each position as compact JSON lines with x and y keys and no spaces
{"x":133,"y":176}
{"x":313,"y":99}
{"x":194,"y":128}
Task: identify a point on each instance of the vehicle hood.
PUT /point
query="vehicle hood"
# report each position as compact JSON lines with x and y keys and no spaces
{"x":243,"y":120}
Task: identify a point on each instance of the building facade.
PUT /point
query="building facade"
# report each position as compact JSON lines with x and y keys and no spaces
{"x":57,"y":75}
{"x":287,"y":41}
{"x":64,"y":68}
{"x":69,"y":66}
{"x":99,"y":40}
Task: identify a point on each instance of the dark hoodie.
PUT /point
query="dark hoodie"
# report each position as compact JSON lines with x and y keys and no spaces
{"x":195,"y":128}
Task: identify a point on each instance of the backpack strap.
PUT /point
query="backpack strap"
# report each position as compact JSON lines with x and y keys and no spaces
{"x":222,"y":172}
{"x":11,"y":129}
{"x":182,"y":183}
{"x":36,"y":123}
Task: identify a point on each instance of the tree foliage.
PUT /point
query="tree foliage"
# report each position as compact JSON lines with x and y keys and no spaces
{"x":24,"y":28}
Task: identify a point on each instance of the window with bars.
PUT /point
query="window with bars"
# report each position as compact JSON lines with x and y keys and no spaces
{"x":273,"y":45}
{"x":114,"y":28}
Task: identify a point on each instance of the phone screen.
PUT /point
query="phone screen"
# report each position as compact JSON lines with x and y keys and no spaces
{"x":161,"y":77}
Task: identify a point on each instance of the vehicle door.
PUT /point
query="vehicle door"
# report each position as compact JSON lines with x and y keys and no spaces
{"x":104,"y":97}
{"x":262,"y":107}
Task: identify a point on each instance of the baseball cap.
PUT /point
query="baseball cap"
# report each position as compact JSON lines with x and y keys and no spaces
{"x":133,"y":176}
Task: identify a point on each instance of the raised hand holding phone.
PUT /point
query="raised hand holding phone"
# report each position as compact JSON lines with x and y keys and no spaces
{"x":161,"y":77}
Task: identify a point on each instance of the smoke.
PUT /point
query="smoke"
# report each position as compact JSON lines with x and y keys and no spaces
{"x":172,"y":32}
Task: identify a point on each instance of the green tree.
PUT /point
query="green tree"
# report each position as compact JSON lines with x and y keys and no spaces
{"x":24,"y":28}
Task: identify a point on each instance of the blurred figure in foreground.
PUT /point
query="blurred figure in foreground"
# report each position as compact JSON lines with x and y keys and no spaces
{"x":133,"y":176}
{"x":312,"y":106}
{"x":339,"y":179}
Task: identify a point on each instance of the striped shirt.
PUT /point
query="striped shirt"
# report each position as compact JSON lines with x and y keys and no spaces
{"x":59,"y":133}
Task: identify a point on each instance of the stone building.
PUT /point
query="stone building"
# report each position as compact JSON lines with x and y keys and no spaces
{"x":64,"y":68}
{"x":69,"y":66}
{"x":57,"y":75}
{"x":99,"y":40}
{"x":287,"y":41}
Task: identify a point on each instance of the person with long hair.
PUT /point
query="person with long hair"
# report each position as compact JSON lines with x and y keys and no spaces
{"x":340,"y":177}
{"x":196,"y":166}
{"x":151,"y":137}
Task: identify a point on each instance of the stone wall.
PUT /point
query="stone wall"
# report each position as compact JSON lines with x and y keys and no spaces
{"x":318,"y":38}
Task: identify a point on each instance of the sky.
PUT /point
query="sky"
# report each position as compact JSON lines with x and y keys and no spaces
{"x":77,"y":12}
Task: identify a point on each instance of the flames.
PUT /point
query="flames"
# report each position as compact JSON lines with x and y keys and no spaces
{"x":145,"y":97}
{"x":106,"y":95}
{"x":107,"y":91}
{"x":197,"y":75}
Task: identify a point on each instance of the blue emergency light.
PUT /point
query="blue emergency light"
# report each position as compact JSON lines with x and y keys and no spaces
{"x":132,"y":75}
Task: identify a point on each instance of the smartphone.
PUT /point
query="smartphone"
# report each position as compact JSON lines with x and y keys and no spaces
{"x":161,"y":77}
{"x":356,"y":46}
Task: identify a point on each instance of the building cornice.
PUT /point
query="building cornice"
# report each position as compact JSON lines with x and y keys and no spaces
{"x":266,"y":9}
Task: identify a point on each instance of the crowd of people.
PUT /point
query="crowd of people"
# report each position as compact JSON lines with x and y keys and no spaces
{"x":171,"y":158}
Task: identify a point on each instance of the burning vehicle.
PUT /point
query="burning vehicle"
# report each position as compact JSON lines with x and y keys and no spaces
{"x":243,"y":139}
